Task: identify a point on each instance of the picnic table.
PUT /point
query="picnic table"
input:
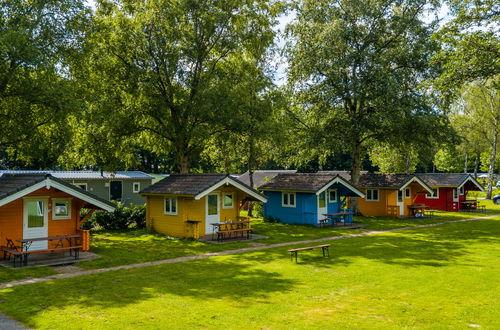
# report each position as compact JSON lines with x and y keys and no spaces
{"x":22,"y":252}
{"x":472,"y":204}
{"x":418,"y":209}
{"x":226,"y":230}
{"x":343,"y":217}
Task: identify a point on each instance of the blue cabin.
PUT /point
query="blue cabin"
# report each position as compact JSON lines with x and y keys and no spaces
{"x":305,"y":198}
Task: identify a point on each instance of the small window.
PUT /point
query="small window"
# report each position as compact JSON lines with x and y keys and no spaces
{"x":61,"y":209}
{"x":82,"y":186}
{"x":332,"y":195}
{"x":372,"y":195}
{"x":288,"y":199}
{"x":228,"y":200}
{"x":136,"y":187}
{"x":322,"y":200}
{"x":400,"y":196}
{"x":407,"y":193}
{"x":462,"y":190}
{"x":171,"y":205}
{"x":434,"y":195}
{"x":455,"y":195}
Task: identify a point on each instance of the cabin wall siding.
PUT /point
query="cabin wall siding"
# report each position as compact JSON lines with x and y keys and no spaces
{"x":387,"y":197}
{"x":444,"y":202}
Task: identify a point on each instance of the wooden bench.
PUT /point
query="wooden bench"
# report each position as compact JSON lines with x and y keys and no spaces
{"x":23,"y":255}
{"x":222,"y":233}
{"x":295,"y":252}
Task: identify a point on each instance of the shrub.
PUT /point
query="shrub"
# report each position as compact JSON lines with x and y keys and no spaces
{"x":122,"y":218}
{"x":257,"y":209}
{"x":271,"y":219}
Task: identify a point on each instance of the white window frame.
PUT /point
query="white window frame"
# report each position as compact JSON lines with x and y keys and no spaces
{"x":138,"y":185}
{"x":371,"y":199}
{"x":60,"y":200}
{"x":82,"y":184}
{"x":336,"y":196}
{"x":288,"y":194}
{"x":407,"y":193}
{"x":232,"y":200}
{"x":433,"y":196}
{"x":456,"y":195}
{"x":462,"y":190}
{"x":165,"y":206}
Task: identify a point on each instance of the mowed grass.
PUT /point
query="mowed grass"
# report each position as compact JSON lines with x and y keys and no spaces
{"x":135,"y":246}
{"x":442,"y":277}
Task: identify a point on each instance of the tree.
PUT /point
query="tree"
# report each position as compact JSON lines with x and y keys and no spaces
{"x":36,"y":90}
{"x":163,"y":70}
{"x":356,"y":69}
{"x":470,"y":46}
{"x":482,"y":105}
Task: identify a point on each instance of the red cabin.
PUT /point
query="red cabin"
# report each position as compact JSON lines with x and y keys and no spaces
{"x":450,"y":190}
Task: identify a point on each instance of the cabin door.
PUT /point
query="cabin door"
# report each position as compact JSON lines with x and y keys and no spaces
{"x":35,"y":223}
{"x":115,"y":191}
{"x":213,"y":212}
{"x":400,"y":203}
{"x":322,"y":207}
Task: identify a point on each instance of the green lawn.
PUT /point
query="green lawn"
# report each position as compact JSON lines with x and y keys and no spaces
{"x":135,"y":246}
{"x":439,"y":277}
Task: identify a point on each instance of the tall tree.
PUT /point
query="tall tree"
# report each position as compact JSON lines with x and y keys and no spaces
{"x":356,"y":68}
{"x":36,"y":91}
{"x":164,"y":69}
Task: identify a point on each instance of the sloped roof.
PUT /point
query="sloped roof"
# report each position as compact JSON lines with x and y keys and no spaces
{"x":372,"y":180}
{"x":85,"y":175}
{"x":344,"y":174}
{"x":195,"y":184}
{"x":448,"y":179}
{"x":262,"y":176}
{"x":11,"y":184}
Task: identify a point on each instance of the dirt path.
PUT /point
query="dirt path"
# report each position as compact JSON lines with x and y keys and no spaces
{"x":222,"y":253}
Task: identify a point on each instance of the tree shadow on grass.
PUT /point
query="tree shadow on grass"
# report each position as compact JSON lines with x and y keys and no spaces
{"x":202,"y":280}
{"x":435,"y":246}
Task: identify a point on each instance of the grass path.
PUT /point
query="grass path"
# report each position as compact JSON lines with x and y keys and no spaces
{"x":223,"y":253}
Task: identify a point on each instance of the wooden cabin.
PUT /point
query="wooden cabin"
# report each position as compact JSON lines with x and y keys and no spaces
{"x":389,"y":195}
{"x":449,"y":190}
{"x":186,"y":205}
{"x":41,"y":206}
{"x":305,"y":198}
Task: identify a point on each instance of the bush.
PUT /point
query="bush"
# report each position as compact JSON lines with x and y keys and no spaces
{"x":271,"y":219}
{"x":123,"y":217}
{"x":257,"y":209}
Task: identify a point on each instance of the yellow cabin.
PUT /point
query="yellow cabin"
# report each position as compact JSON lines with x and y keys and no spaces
{"x":186,"y":205}
{"x":390,"y":195}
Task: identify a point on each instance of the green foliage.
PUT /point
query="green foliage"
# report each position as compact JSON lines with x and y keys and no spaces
{"x":449,"y":160}
{"x":356,"y":70}
{"x":123,"y":217}
{"x":271,"y":219}
{"x":257,"y":209}
{"x":37,"y":93}
{"x":391,"y":158}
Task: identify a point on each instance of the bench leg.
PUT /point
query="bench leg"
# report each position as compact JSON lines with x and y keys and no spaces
{"x":325,"y":248}
{"x":77,"y":254}
{"x":292,"y":254}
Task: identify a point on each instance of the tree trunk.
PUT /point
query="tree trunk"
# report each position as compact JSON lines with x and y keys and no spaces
{"x":476,"y":164}
{"x":491,"y":168}
{"x":251,"y":151}
{"x":465,"y":163}
{"x":182,"y":162}
{"x":355,"y":172}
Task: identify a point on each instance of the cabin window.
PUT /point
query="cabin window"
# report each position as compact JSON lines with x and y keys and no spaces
{"x":332,"y":195}
{"x":171,"y":205}
{"x":434,"y":195}
{"x":228,"y":200}
{"x":322,"y":200}
{"x":400,"y":196}
{"x":462,"y":190}
{"x":61,"y":209}
{"x":407,"y":193}
{"x":136,"y":187}
{"x":82,"y":186}
{"x":455,"y":195}
{"x":288,"y":199}
{"x":372,"y":195}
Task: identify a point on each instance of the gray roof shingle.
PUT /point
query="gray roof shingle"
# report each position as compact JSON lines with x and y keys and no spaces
{"x":307,"y":182}
{"x":13,"y":183}
{"x":444,"y":179}
{"x":262,"y":176}
{"x":190,"y":184}
{"x":90,"y":175}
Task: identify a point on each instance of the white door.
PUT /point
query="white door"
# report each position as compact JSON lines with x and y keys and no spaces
{"x":35,"y":222}
{"x":322,"y":206}
{"x":213,"y":212}
{"x":400,"y":203}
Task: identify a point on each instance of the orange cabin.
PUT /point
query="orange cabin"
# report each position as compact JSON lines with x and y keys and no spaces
{"x":34,"y":206}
